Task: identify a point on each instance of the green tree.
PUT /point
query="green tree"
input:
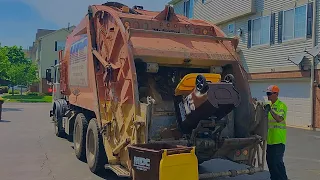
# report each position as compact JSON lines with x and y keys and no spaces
{"x":4,"y":63}
{"x":16,"y":55}
{"x":22,"y":74}
{"x":16,"y":68}
{"x":30,"y":74}
{"x":15,"y":74}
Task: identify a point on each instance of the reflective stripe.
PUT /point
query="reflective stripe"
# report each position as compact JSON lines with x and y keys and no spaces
{"x":274,"y":121}
{"x":271,"y":126}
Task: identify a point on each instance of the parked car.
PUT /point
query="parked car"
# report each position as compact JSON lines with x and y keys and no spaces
{"x":19,"y":88}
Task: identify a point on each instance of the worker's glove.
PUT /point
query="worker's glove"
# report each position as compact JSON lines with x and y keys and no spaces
{"x":267,"y":107}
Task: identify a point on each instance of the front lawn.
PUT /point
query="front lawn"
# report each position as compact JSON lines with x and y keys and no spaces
{"x":27,"y":98}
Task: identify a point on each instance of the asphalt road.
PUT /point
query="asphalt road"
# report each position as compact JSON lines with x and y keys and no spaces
{"x":29,"y":150}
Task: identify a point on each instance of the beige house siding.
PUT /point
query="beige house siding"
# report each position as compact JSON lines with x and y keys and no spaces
{"x":48,"y":55}
{"x":218,"y":11}
{"x":318,"y":21}
{"x":264,"y":58}
{"x":179,"y":8}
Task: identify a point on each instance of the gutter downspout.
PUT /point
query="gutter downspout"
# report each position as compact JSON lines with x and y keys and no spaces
{"x":312,"y":74}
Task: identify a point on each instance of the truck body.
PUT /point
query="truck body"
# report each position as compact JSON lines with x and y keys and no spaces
{"x":131,"y":76}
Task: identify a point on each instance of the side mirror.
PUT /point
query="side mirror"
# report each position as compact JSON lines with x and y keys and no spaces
{"x":48,"y":75}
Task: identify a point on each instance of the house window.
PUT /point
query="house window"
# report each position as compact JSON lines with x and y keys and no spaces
{"x":261,"y":30}
{"x":295,"y":23}
{"x":59,"y":45}
{"x":231,"y":29}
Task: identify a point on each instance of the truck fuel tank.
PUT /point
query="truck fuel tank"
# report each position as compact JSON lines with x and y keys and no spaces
{"x":208,"y":100}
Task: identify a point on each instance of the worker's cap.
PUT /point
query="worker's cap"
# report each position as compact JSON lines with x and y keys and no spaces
{"x":273,"y":89}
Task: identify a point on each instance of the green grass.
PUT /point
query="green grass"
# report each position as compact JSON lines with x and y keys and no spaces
{"x":27,"y":99}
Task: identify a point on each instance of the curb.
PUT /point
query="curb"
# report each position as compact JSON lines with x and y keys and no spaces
{"x":305,"y":128}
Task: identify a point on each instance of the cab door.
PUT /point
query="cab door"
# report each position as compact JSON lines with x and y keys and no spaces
{"x":56,"y":93}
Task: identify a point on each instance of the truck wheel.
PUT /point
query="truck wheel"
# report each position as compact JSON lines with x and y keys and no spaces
{"x":79,"y":136}
{"x":96,"y":157}
{"x":58,"y":129}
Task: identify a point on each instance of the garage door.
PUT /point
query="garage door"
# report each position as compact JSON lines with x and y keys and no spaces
{"x":295,"y":93}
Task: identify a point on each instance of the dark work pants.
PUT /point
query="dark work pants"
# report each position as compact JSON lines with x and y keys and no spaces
{"x":275,"y":162}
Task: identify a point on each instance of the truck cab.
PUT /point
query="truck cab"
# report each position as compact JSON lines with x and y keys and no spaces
{"x":53,"y":80}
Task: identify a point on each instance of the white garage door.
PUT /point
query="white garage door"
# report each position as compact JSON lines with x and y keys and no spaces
{"x":295,"y":93}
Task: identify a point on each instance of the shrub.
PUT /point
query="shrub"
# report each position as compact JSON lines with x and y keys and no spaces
{"x":15,"y":91}
{"x":48,"y":94}
{"x":45,"y":94}
{"x":32,"y":93}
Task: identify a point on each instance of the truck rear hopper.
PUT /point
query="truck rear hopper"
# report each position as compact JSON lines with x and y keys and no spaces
{"x":106,"y":91}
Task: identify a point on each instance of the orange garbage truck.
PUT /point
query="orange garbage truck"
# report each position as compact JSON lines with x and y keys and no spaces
{"x":150,"y":95}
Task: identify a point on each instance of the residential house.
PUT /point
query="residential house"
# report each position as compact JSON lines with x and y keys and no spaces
{"x":45,"y":52}
{"x":40,"y":33}
{"x":276,"y":38}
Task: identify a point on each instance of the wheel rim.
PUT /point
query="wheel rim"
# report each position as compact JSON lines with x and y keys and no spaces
{"x":77,"y":136}
{"x":91,"y":145}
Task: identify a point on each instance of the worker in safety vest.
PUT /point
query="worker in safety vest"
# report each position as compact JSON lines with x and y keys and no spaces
{"x":277,"y":112}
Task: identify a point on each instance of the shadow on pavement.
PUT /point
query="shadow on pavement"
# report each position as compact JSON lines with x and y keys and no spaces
{"x":109,"y":175}
{"x":4,"y":121}
{"x":11,"y":109}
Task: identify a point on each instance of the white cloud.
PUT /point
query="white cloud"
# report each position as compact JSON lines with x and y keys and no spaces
{"x":61,"y":12}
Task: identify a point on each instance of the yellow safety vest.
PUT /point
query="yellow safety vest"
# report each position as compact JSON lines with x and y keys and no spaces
{"x":277,"y":132}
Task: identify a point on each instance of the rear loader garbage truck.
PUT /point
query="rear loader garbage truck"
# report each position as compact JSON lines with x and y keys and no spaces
{"x":152,"y":95}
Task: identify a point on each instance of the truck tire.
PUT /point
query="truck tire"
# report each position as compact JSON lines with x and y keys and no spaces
{"x":79,"y":136}
{"x":96,"y":157}
{"x":58,"y":129}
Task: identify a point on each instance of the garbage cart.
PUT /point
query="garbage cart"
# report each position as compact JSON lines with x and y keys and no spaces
{"x":163,"y":162}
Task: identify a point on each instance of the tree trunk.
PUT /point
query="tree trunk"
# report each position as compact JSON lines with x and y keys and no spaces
{"x":12,"y":90}
{"x":21,"y":91}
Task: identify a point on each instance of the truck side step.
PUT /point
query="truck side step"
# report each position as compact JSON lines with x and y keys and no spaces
{"x":119,"y":170}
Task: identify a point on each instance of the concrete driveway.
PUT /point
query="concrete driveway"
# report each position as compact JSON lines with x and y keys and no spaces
{"x":30,"y":151}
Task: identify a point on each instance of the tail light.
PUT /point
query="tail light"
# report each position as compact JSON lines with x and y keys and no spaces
{"x":245,"y":152}
{"x":238,"y":153}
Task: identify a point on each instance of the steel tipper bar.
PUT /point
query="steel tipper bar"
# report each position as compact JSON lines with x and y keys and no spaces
{"x":231,"y":173}
{"x":132,"y":30}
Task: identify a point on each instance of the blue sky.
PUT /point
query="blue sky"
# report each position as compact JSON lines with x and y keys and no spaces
{"x":20,"y":19}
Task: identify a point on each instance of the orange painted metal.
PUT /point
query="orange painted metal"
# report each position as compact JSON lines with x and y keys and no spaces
{"x":117,"y":39}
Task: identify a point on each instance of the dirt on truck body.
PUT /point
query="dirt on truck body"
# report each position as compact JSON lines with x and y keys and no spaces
{"x":131,"y":76}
